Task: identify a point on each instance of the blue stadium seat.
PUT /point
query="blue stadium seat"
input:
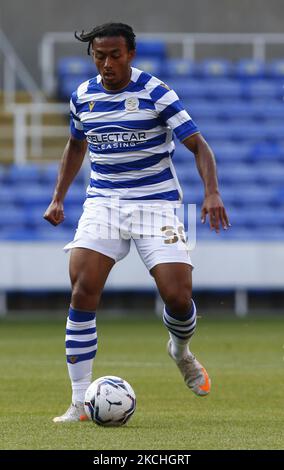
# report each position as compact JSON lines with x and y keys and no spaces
{"x":267,"y":151}
{"x":33,"y":195}
{"x":72,"y":215}
{"x":193,"y":194}
{"x":227,"y":151}
{"x":151,"y":48}
{"x":69,"y":83}
{"x":272,"y":109}
{"x":187,"y":88}
{"x":256,"y":217}
{"x":258,"y":110}
{"x":242,"y":130}
{"x":268,"y":172}
{"x":76,"y":195}
{"x":276,"y":68}
{"x":34,"y":216}
{"x":12,"y":216}
{"x":49,"y":174}
{"x":178,"y":68}
{"x":17,"y":174}
{"x":222,"y":88}
{"x":215,"y":68}
{"x":280,"y":196}
{"x":150,"y":65}
{"x":200,"y":109}
{"x":188,"y":175}
{"x":3,"y":173}
{"x":7,"y":194}
{"x":243,"y":195}
{"x":75,"y":66}
{"x":262,"y":89}
{"x":235,"y":109}
{"x":237,"y":173}
{"x":250,"y":68}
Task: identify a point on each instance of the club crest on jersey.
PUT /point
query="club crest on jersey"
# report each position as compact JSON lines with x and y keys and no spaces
{"x":132,"y":103}
{"x":91,"y":105}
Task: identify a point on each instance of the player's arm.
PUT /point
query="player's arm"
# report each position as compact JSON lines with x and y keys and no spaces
{"x":205,"y":162}
{"x":71,"y":163}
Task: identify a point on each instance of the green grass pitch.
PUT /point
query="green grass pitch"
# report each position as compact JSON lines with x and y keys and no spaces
{"x":244,"y":410}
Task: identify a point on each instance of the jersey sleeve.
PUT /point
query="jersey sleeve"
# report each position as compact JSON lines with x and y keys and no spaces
{"x":172,"y":112}
{"x":76,"y":127}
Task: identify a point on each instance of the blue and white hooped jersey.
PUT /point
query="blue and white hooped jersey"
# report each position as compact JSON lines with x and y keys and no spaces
{"x":130,"y":137}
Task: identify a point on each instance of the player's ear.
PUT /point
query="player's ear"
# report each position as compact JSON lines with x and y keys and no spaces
{"x":131,"y":54}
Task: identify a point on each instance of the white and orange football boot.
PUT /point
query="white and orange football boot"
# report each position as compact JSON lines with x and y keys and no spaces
{"x":75,"y":412}
{"x":194,"y":374}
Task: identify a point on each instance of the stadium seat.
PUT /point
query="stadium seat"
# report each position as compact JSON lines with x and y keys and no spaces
{"x":227,"y":151}
{"x":34,"y":216}
{"x":75,"y":66}
{"x":250,"y":68}
{"x":202,"y":109}
{"x":270,"y":173}
{"x":276,"y":68}
{"x":221,"y":88}
{"x":12,"y":216}
{"x":187,"y":88}
{"x":3,"y":173}
{"x":33,"y":195}
{"x":17,"y":174}
{"x":267,"y":151}
{"x":183,"y":68}
{"x":69,"y":83}
{"x":7,"y":194}
{"x":237,"y":173}
{"x":72,"y":215}
{"x":49,"y":173}
{"x":150,"y":65}
{"x":151,"y":48}
{"x":76,"y":196}
{"x":256,"y":217}
{"x":215,"y":68}
{"x":262,"y":89}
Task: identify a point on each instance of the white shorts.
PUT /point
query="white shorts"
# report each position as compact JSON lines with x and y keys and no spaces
{"x":107,"y":226}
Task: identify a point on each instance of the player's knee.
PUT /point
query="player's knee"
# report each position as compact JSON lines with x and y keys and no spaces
{"x":179,"y":301}
{"x":84,"y":296}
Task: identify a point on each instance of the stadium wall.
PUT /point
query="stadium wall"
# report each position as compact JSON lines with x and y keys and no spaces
{"x":227,"y":265}
{"x":37,"y":17}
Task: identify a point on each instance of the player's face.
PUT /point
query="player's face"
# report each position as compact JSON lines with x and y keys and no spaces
{"x":112,"y":58}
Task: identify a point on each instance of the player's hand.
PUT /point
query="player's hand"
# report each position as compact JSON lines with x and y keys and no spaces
{"x":213,"y":207}
{"x":54,"y":213}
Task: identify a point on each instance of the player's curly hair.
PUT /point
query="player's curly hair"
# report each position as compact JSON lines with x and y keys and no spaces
{"x":108,"y":30}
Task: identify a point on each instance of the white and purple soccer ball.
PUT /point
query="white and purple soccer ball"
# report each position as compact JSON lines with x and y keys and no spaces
{"x":110,"y":401}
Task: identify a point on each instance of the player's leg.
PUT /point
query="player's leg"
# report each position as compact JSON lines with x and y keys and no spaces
{"x":89,"y":270}
{"x":174,"y":282}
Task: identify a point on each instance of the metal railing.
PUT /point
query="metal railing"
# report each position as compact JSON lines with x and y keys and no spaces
{"x":35,"y":129}
{"x":13,"y":69}
{"x":188,"y":43}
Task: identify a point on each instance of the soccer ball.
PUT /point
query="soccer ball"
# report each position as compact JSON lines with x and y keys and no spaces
{"x":110,"y":401}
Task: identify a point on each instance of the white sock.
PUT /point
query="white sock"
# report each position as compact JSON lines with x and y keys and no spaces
{"x":81,"y":348}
